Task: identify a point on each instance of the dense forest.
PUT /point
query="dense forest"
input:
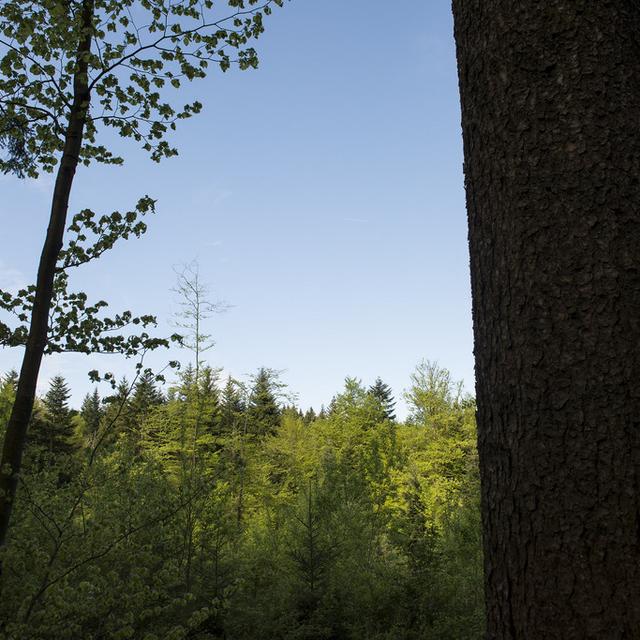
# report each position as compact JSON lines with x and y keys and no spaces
{"x":206,"y":507}
{"x":212,"y":508}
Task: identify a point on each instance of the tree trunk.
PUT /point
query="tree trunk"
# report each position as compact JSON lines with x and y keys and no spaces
{"x":550,"y":97}
{"x":16,"y":432}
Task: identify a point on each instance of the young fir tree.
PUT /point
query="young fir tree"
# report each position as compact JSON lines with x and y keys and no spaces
{"x":10,"y":379}
{"x":91,"y":412}
{"x":263,"y":412}
{"x":56,"y":430}
{"x":117,"y":410}
{"x":383,"y":394}
{"x":197,"y":393}
{"x":146,"y":395}
{"x":185,"y":386}
{"x":209,"y":397}
{"x":312,"y":552}
{"x":232,"y":406}
{"x":7,"y":395}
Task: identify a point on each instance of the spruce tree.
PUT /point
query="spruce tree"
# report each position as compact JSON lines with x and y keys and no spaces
{"x":185,"y":388}
{"x":383,"y":394}
{"x":10,"y":380}
{"x":232,"y":405}
{"x":209,"y":401}
{"x":117,"y":410}
{"x":146,"y":395}
{"x":263,"y":412}
{"x":7,"y":396}
{"x":55,"y":432}
{"x":91,"y":412}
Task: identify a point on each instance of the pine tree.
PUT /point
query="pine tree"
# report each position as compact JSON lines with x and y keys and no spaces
{"x":383,"y":394}
{"x":263,"y":412}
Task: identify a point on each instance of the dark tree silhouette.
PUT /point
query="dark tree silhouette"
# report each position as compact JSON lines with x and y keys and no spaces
{"x":550,"y":99}
{"x":382,"y":392}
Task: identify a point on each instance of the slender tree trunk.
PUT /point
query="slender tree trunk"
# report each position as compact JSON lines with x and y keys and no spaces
{"x":16,"y":432}
{"x":550,"y":104}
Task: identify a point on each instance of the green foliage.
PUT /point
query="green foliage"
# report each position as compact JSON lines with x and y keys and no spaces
{"x":139,"y":52}
{"x":232,"y":406}
{"x":146,"y":395}
{"x":263,"y":411}
{"x":51,"y":432}
{"x":72,"y":70}
{"x":382,"y":392}
{"x":75,"y":324}
{"x":8,"y":385}
{"x":91,"y":413}
{"x":345,"y":526}
{"x":432,"y":392}
{"x":67,"y":72}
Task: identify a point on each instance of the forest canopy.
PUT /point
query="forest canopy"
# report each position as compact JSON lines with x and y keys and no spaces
{"x":212,"y":508}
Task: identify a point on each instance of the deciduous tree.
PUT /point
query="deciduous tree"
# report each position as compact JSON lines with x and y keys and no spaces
{"x":68,"y":71}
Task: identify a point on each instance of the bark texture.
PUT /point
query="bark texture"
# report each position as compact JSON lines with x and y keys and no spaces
{"x":17,"y":426}
{"x":550,"y":97}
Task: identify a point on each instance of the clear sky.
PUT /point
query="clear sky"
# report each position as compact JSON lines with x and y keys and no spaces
{"x":322,"y":195}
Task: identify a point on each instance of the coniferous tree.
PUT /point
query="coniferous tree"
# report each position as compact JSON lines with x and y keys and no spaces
{"x":309,"y":416}
{"x":91,"y":412}
{"x":312,"y":553}
{"x":117,"y":410}
{"x":7,"y":395}
{"x":146,"y":395}
{"x":184,"y":389}
{"x":209,"y":397}
{"x":122,"y":392}
{"x":54,"y":432}
{"x":383,"y":394}
{"x":11,"y":379}
{"x":232,"y":405}
{"x":263,"y":412}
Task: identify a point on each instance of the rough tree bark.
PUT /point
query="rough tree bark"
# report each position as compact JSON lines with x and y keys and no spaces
{"x":16,"y":432}
{"x":550,"y":97}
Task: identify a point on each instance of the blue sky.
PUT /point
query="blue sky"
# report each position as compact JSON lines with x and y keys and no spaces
{"x":321,"y":194}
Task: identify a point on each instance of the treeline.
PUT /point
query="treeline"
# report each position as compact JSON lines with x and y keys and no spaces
{"x":220,"y":510}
